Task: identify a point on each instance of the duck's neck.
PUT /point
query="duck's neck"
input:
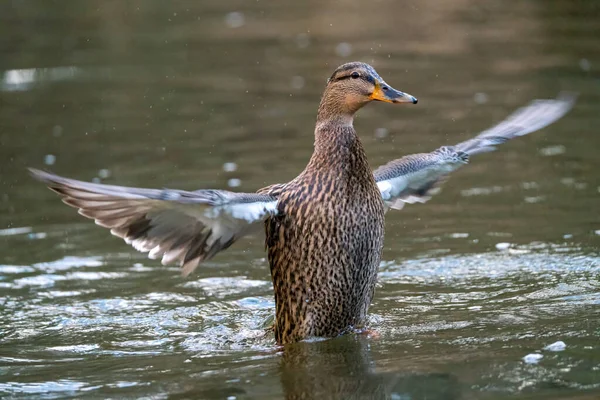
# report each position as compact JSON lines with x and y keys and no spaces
{"x":337,"y":105}
{"x":331,"y":134}
{"x":336,"y":144}
{"x":337,"y":148}
{"x":327,"y":114}
{"x":334,"y":121}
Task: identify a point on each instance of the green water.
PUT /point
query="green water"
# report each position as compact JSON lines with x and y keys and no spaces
{"x":166,"y":94}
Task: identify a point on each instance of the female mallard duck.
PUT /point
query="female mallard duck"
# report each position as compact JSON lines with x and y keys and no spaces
{"x":324,"y":229}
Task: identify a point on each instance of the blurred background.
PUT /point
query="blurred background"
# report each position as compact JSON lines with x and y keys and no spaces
{"x":223,"y":94}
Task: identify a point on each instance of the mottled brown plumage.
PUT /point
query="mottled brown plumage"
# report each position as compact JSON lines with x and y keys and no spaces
{"x":325,"y":244}
{"x":324,"y":229}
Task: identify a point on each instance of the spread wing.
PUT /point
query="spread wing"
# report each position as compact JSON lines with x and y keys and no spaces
{"x":415,"y":178}
{"x":177,"y":225}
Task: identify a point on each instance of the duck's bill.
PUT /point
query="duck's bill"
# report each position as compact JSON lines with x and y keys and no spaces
{"x":384,"y":92}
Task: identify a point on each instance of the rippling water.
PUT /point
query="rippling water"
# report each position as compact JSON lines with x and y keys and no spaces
{"x":474,"y":285}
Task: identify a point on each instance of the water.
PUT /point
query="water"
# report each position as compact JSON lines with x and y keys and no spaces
{"x":223,"y":94}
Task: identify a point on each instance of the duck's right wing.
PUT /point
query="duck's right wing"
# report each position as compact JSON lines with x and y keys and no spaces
{"x":179,"y":226}
{"x":415,"y":178}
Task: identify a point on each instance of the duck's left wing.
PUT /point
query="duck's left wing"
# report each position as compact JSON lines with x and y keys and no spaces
{"x":415,"y":178}
{"x":179,"y":226}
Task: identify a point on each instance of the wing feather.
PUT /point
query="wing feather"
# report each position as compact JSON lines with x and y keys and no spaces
{"x":415,"y":178}
{"x":179,"y":226}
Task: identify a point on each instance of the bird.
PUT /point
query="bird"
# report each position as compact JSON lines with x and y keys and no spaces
{"x":324,"y":229}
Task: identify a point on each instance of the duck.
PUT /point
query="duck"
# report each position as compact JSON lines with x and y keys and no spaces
{"x":324,"y":230}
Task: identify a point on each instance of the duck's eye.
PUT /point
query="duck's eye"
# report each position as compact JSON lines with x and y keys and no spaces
{"x":355,"y":75}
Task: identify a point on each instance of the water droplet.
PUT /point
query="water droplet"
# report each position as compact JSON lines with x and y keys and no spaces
{"x":343,"y":49}
{"x":234,"y":182}
{"x":49,"y":159}
{"x":381,"y":133}
{"x":480,"y":98}
{"x":229,"y":167}
{"x":235,"y":19}
{"x":57,"y":130}
{"x":302,"y":40}
{"x":104,"y":173}
{"x":297,"y":82}
{"x":585,"y":64}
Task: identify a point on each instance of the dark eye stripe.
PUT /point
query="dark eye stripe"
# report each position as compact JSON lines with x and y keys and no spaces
{"x":367,"y":78}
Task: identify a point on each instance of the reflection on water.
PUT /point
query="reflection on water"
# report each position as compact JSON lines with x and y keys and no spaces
{"x":24,"y":79}
{"x":343,"y":369}
{"x":192,"y":95}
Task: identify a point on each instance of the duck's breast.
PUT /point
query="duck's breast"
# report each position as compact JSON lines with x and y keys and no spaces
{"x":324,"y":250}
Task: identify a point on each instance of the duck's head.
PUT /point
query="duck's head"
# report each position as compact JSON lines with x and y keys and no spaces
{"x":355,"y":84}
